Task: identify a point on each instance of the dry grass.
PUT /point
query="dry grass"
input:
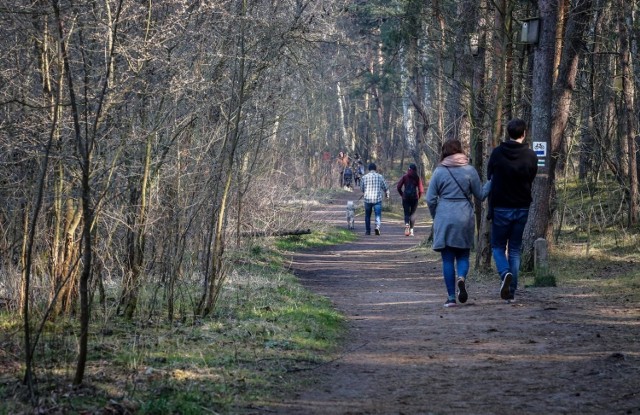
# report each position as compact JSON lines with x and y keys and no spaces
{"x":265,"y":326}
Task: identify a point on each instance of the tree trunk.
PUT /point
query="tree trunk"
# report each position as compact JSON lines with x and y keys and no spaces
{"x":627,"y":118}
{"x":66,"y":271}
{"x":479,"y":141}
{"x":540,"y":218}
{"x":507,"y":101}
{"x":219,"y":266}
{"x":136,"y":236}
{"x":599,"y":97}
{"x":497,"y":65}
{"x":560,"y":155}
{"x":376,"y":71}
{"x":343,"y":121}
{"x":408,"y":111}
{"x":25,"y":290}
{"x":30,"y":223}
{"x":85,"y":276}
{"x":83,"y":147}
{"x":540,"y":129}
{"x":440,"y":79}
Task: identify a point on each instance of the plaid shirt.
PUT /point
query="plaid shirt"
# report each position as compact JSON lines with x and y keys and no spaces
{"x":373,"y":186}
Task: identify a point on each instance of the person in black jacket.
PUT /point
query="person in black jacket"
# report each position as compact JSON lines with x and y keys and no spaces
{"x":511,"y":169}
{"x":411,"y":190}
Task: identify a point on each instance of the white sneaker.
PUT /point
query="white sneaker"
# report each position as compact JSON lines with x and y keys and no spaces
{"x":411,"y":232}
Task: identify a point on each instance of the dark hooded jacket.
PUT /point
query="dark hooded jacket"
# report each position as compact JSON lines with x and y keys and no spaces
{"x":511,"y":169}
{"x":411,"y":176}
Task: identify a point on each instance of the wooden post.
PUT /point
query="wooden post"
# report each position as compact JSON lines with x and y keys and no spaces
{"x":541,"y":268}
{"x":540,"y":256}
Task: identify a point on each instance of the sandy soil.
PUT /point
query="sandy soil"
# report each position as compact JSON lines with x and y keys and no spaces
{"x":553,"y":351}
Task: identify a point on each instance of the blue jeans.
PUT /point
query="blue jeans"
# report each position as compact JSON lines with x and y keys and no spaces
{"x":377,"y":209}
{"x":452,"y":257}
{"x":506,"y":241}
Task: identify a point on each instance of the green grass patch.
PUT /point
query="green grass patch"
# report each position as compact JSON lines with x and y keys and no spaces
{"x":612,"y":273}
{"x":315,"y":239}
{"x":543,"y":278}
{"x":265,"y":325}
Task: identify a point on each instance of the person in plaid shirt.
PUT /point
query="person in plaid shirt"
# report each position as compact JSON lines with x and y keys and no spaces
{"x":374,"y":188}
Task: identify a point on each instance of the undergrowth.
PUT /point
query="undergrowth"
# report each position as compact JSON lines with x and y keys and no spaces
{"x":607,"y":266}
{"x":265,"y":326}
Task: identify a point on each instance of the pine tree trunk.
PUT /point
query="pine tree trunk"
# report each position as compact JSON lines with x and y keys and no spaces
{"x":540,"y":129}
{"x":627,"y":116}
{"x":540,"y":223}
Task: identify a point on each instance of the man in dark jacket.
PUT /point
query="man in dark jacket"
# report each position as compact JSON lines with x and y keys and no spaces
{"x":511,"y":169}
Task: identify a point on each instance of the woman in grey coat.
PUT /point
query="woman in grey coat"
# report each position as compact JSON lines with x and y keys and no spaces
{"x":449,"y":200}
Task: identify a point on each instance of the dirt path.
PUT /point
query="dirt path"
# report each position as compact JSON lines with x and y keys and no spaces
{"x":554,"y":351}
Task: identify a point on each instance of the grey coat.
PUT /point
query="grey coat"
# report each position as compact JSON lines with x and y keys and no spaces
{"x":452,"y":213}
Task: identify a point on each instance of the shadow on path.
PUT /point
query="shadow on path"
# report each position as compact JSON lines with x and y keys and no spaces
{"x":552,"y":352}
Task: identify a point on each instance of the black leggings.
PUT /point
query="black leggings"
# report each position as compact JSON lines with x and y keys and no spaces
{"x":410,"y":207}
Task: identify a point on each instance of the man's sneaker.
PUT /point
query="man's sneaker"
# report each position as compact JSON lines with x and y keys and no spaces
{"x":504,"y":288}
{"x":411,"y":232}
{"x":510,"y":298}
{"x":450,"y":303}
{"x":462,"y":291}
{"x":406,"y":230}
{"x":377,"y":231}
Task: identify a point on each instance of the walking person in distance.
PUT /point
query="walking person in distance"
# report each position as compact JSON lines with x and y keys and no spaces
{"x":411,"y":190}
{"x":511,"y":169}
{"x":373,"y":187}
{"x":449,"y":200}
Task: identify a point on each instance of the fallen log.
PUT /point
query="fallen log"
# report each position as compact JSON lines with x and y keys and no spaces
{"x":258,"y":234}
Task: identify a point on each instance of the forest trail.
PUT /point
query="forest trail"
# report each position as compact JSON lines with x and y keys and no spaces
{"x":553,"y":351}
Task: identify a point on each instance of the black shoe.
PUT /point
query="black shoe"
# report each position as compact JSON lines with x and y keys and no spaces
{"x":367,"y":233}
{"x":505,"y":291}
{"x":511,"y":297}
{"x":377,"y":231}
{"x":462,"y":291}
{"x":450,"y":303}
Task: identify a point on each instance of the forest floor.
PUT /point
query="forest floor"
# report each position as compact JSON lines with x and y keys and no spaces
{"x":556,"y":350}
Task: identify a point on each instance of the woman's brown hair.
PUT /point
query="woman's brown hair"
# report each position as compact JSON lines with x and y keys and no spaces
{"x":450,"y":147}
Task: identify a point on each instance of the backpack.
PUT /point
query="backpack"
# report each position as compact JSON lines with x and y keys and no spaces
{"x":410,"y":190}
